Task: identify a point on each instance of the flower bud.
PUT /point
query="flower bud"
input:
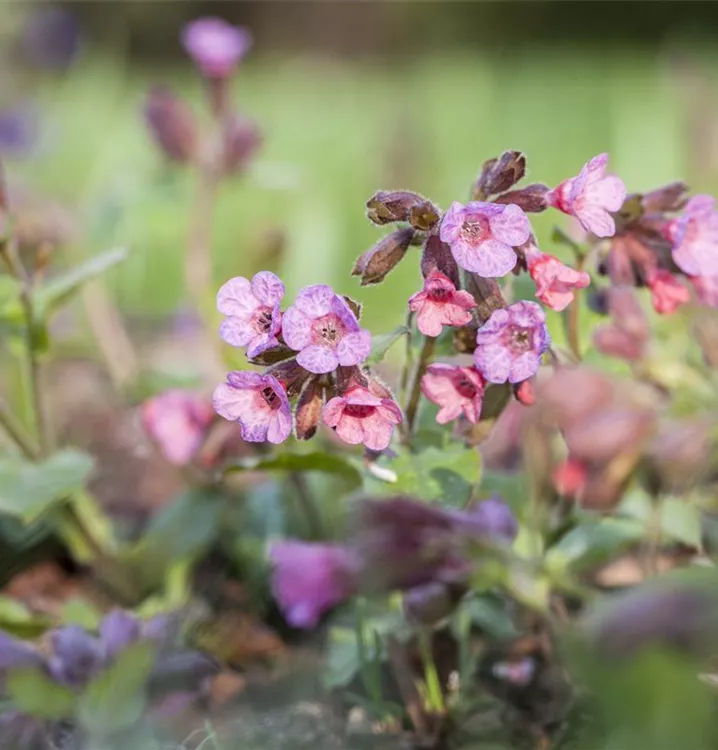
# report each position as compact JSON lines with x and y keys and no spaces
{"x":387,"y":207}
{"x":378,"y":261}
{"x":525,"y":393}
{"x":424,"y":216}
{"x":437,"y":256}
{"x":498,"y":175}
{"x":569,"y":477}
{"x":171,"y":124}
{"x":242,"y":138}
{"x":309,"y":410}
{"x":291,"y":375}
{"x":668,"y":198}
{"x":532,"y":198}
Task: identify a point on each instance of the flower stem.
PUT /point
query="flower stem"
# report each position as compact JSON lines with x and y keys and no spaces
{"x":309,"y":507}
{"x":434,"y":694}
{"x":16,"y":433}
{"x":574,"y":312}
{"x":413,"y":406}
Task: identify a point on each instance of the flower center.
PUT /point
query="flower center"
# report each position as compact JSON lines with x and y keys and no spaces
{"x":328,"y":331}
{"x":520,"y":339}
{"x":271,"y":398}
{"x":359,"y":411}
{"x":475,"y":230}
{"x":465,"y":388}
{"x":263,"y":320}
{"x":439,"y":294}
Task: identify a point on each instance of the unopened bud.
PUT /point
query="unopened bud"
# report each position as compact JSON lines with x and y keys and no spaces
{"x":437,"y":256}
{"x":309,"y":410}
{"x":242,"y":138}
{"x":499,"y":174}
{"x":385,"y":207}
{"x":668,"y":198}
{"x":171,"y":124}
{"x":377,"y":262}
{"x":532,"y":198}
{"x":525,"y":393}
{"x":291,"y":375}
{"x":569,"y":477}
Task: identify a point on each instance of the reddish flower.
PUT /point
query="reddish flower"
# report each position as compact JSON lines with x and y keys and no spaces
{"x":440,"y":304}
{"x":695,"y":237}
{"x":667,"y":292}
{"x":569,"y":477}
{"x":555,"y":281}
{"x":457,"y":390}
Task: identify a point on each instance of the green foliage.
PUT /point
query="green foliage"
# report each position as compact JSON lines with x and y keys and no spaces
{"x":34,"y":693}
{"x":382,"y":343}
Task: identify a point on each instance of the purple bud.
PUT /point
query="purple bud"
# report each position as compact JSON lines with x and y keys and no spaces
{"x":374,"y":265}
{"x":309,"y":410}
{"x":242,"y":138}
{"x":499,"y":174}
{"x":424,"y":216}
{"x":171,"y":124}
{"x":490,"y":518}
{"x":77,"y":655}
{"x":387,"y":207}
{"x":531,"y":199}
{"x":437,"y":256}
{"x":668,"y":198}
{"x":14,"y":653}
{"x":117,"y":631}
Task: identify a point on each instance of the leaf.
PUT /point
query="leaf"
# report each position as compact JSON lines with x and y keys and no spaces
{"x":490,"y":615}
{"x":382,"y":344}
{"x":681,"y":522}
{"x":28,"y":489}
{"x":342,"y":658}
{"x":34,"y":693}
{"x":17,"y":619}
{"x":325,"y":463}
{"x":115,"y":699}
{"x":9,"y":290}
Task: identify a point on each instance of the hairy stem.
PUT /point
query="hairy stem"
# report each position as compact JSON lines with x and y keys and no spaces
{"x":413,"y":406}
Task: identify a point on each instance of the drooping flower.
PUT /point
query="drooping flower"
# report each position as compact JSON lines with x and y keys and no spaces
{"x":440,"y":304}
{"x":591,"y":196}
{"x":456,"y":390}
{"x":252,"y":309}
{"x":706,"y":288}
{"x":695,"y":237}
{"x":258,"y":402}
{"x":554,"y":281}
{"x":310,"y":579}
{"x":482,"y":236}
{"x":511,"y":343}
{"x":359,"y":416}
{"x":667,"y":292}
{"x":216,"y":46}
{"x":177,"y":421}
{"x":321,"y":326}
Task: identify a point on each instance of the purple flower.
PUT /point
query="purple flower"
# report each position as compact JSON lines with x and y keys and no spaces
{"x":482,"y":236}
{"x":439,"y":304}
{"x":323,"y":329}
{"x":695,"y":237}
{"x":258,"y":402}
{"x":492,"y":518}
{"x":77,"y":655}
{"x":310,"y":579}
{"x":511,"y":342}
{"x":18,"y":129}
{"x":252,"y":309}
{"x":216,"y":46}
{"x":456,"y":390}
{"x":15,"y":653}
{"x":117,"y":631}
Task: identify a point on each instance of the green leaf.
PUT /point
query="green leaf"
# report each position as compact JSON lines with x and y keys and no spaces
{"x":382,"y":344}
{"x":17,"y":619}
{"x":342,"y":659}
{"x":325,"y":463}
{"x":9,"y":290}
{"x":28,"y":489}
{"x":81,"y":612}
{"x":115,"y":699}
{"x":489,"y":613}
{"x":34,"y":693}
{"x":681,"y":522}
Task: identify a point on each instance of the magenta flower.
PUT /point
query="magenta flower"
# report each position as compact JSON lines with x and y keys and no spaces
{"x":177,"y":421}
{"x":323,"y":329}
{"x":215,"y":45}
{"x":554,"y":281}
{"x":252,"y":309}
{"x":706,"y":288}
{"x":258,"y":402}
{"x":511,"y":342}
{"x":591,"y":196}
{"x":667,"y":292}
{"x":695,"y":237}
{"x":310,"y":579}
{"x":359,"y":416}
{"x":457,"y":390}
{"x":440,"y":304}
{"x":482,"y":236}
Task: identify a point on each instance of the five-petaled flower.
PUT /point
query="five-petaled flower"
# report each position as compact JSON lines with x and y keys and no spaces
{"x":511,"y":342}
{"x":440,"y":304}
{"x":456,"y":390}
{"x":695,"y":237}
{"x":252,"y":309}
{"x":216,"y":46}
{"x":482,"y":236}
{"x":321,"y":326}
{"x":667,"y":292}
{"x":359,"y":416}
{"x":555,"y":281}
{"x":591,"y":197}
{"x":258,"y":402}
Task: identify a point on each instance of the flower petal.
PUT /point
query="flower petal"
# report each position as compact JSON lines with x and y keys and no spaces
{"x":296,"y":329}
{"x":235,"y":298}
{"x":511,"y":226}
{"x":318,"y":359}
{"x":354,"y":348}
{"x":268,"y":288}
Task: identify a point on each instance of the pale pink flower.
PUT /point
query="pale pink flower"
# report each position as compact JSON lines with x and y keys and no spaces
{"x":258,"y":402}
{"x":456,"y":390}
{"x":358,"y":416}
{"x":323,"y":329}
{"x":591,"y":197}
{"x":215,"y":45}
{"x":554,"y":281}
{"x":177,"y":421}
{"x":440,"y":304}
{"x":252,"y":309}
{"x":667,"y":292}
{"x":482,"y":236}
{"x":706,"y":288}
{"x":695,"y":237}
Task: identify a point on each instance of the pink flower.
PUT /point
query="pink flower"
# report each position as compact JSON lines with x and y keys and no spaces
{"x":439,"y":304}
{"x":215,"y":45}
{"x":706,"y":288}
{"x":695,"y":237}
{"x":358,"y":416}
{"x":457,"y":390}
{"x":258,"y":402}
{"x":555,"y":281}
{"x":177,"y":421}
{"x":667,"y":292}
{"x":591,"y":197}
{"x":511,"y":342}
{"x":310,"y":579}
{"x":323,"y":329}
{"x":252,"y":309}
{"x":482,"y":236}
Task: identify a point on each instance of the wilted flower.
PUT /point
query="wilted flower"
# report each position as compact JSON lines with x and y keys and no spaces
{"x":667,"y":292}
{"x":252,"y":309}
{"x":374,"y":265}
{"x":591,"y":197}
{"x":171,"y":124}
{"x":511,"y":343}
{"x":310,"y":579}
{"x":360,"y":416}
{"x":456,"y":390}
{"x":387,"y":207}
{"x":216,"y":46}
{"x":321,"y":326}
{"x":177,"y":421}
{"x":440,"y":304}
{"x":695,"y":237}
{"x":555,"y":281}
{"x":482,"y":236}
{"x":258,"y":402}
{"x":499,"y":174}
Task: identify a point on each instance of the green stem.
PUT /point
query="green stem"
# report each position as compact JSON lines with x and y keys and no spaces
{"x":434,"y":693}
{"x":413,"y":406}
{"x":574,"y":311}
{"x":309,"y":507}
{"x":16,"y":433}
